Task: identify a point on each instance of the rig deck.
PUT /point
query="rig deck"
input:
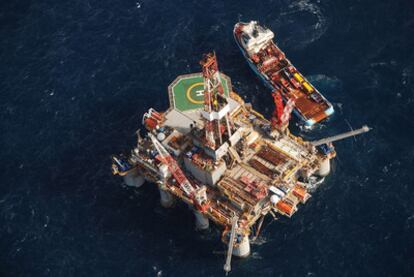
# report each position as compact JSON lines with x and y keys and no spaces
{"x":215,"y":153}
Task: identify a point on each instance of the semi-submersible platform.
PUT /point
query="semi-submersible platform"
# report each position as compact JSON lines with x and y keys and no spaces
{"x":225,"y":160}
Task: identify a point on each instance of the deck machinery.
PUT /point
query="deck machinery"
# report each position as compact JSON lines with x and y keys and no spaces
{"x":231,"y":165}
{"x":276,"y":71}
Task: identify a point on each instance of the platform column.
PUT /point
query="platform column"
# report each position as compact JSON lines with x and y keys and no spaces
{"x":134,"y":179}
{"x":166,"y":199}
{"x":202,"y":222}
{"x":325,"y":168}
{"x":242,"y":249}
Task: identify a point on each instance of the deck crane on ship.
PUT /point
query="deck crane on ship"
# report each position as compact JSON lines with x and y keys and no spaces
{"x":281,"y":114}
{"x":276,"y":71}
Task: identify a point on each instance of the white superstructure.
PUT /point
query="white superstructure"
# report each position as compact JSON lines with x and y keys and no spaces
{"x":255,"y":37}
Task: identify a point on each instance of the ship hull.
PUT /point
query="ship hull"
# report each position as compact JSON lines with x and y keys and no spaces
{"x":306,"y":121}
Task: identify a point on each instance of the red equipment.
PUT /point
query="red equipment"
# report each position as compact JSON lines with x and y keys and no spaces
{"x":197,"y":195}
{"x":151,"y":119}
{"x":278,"y":111}
{"x":281,"y":115}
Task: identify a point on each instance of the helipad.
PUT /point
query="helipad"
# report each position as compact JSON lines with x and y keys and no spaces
{"x":187,"y":91}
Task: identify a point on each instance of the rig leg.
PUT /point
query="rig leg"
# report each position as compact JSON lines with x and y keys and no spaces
{"x":133,"y":179}
{"x":242,"y":249}
{"x":201,"y":222}
{"x":166,"y":199}
{"x":324,"y":168}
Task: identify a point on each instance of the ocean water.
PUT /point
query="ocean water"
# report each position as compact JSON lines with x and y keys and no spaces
{"x":76,"y":77}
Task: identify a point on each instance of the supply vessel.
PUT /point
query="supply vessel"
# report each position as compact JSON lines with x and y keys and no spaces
{"x":277,"y":72}
{"x":214,"y":152}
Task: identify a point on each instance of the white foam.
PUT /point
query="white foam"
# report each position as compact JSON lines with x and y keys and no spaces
{"x":316,"y":30}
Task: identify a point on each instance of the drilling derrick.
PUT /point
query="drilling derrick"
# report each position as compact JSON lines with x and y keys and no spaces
{"x":216,"y":108}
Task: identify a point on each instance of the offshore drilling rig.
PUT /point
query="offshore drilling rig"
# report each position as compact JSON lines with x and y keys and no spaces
{"x":225,"y":160}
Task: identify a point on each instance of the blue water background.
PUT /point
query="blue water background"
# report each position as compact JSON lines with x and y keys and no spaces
{"x":76,"y":76}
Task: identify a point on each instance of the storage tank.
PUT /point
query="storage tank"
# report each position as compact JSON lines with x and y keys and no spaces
{"x":161,"y":136}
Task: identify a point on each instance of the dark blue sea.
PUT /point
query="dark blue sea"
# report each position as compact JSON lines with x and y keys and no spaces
{"x":76,"y":76}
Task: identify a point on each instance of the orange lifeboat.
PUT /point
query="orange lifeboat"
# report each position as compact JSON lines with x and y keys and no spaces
{"x":150,"y":123}
{"x":301,"y":194}
{"x":285,"y":208}
{"x":156,"y":115}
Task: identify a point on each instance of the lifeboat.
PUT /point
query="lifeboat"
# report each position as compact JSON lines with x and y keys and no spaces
{"x":154,"y":114}
{"x":301,"y":194}
{"x":150,"y":123}
{"x":286,"y":208}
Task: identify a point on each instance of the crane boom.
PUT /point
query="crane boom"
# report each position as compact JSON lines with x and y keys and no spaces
{"x":278,"y":111}
{"x":281,"y":113}
{"x":173,"y":167}
{"x":227,"y":265}
{"x":356,"y":132}
{"x":286,"y":113}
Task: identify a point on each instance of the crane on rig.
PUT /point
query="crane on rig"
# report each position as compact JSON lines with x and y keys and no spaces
{"x":227,"y":265}
{"x":327,"y":140}
{"x":196,"y":194}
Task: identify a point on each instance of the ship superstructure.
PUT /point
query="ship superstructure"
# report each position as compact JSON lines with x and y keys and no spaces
{"x":215,"y":153}
{"x":277,"y":72}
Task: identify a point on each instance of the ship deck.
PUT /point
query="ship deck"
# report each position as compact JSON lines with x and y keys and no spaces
{"x":310,"y":110}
